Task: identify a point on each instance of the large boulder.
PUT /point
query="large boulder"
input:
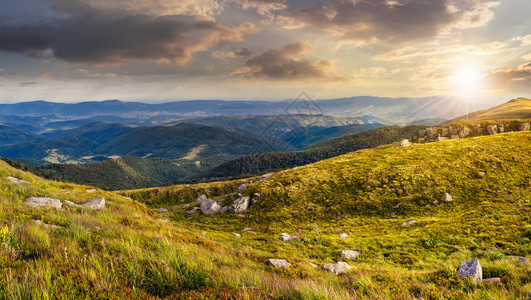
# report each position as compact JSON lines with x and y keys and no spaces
{"x":453,"y":130}
{"x":445,"y":131}
{"x":349,"y":254}
{"x":242,"y":188}
{"x":241,"y":205}
{"x":16,"y":180}
{"x":524,"y":126}
{"x":38,"y":202}
{"x":404,"y":143}
{"x":278,"y":263}
{"x":96,"y":204}
{"x":337,"y":268}
{"x":422,"y":133}
{"x":471,"y":269}
{"x":492,"y":129}
{"x":464,"y":132}
{"x":284,"y":237}
{"x":201,"y":198}
{"x":209,"y":207}
{"x":431,"y":132}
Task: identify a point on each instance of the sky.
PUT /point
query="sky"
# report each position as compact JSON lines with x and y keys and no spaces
{"x":164,"y":50}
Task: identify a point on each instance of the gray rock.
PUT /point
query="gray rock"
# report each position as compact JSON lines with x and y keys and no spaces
{"x":256,"y":194}
{"x":266,"y":176}
{"x":278,"y":263}
{"x":422,"y":133}
{"x":445,"y":131}
{"x":71,"y":204}
{"x":201,"y":198}
{"x":493,"y":280}
{"x":38,"y":202}
{"x":284,"y":237}
{"x":209,"y":207}
{"x":453,"y":130}
{"x":441,"y":138}
{"x":16,"y":180}
{"x":242,"y":188}
{"x":409,"y":223}
{"x":162,"y":210}
{"x":349,"y":254}
{"x":314,"y":265}
{"x":454,"y":137}
{"x":236,"y":234}
{"x":337,"y":268}
{"x":241,"y":205}
{"x":481,"y":173}
{"x":520,"y":259}
{"x":404,"y":143}
{"x":39,"y":222}
{"x":464,"y":132}
{"x":492,"y":129}
{"x":246,"y":229}
{"x":224,"y":209}
{"x":447,"y":197}
{"x":431,"y":132}
{"x":90,"y":191}
{"x":471,"y":269}
{"x":186,"y":205}
{"x":96,"y":204}
{"x":524,"y":127}
{"x":344,"y":236}
{"x":193,"y":210}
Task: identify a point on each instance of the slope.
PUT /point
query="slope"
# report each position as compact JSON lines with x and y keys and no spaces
{"x":519,"y":108}
{"x":99,"y":132}
{"x":9,"y":136}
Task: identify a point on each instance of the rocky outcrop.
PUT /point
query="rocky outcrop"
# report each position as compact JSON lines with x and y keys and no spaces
{"x":278,"y":263}
{"x":39,"y":202}
{"x":16,"y":180}
{"x":96,"y":204}
{"x":464,"y":132}
{"x":524,"y":127}
{"x":284,"y":237}
{"x":337,"y":268}
{"x":492,"y":129}
{"x":471,"y":269}
{"x":431,"y":132}
{"x":349,"y":254}
{"x":404,"y":143}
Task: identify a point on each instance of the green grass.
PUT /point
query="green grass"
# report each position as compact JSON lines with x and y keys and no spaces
{"x":126,"y":251}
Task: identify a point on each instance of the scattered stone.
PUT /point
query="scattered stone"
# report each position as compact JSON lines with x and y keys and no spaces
{"x":464,"y":132}
{"x":314,"y":265}
{"x":39,"y":222}
{"x":471,"y":269}
{"x":37,"y":202}
{"x":209,"y":207}
{"x":241,"y":205}
{"x":193,"y":210}
{"x":186,"y":205}
{"x":242,"y":188}
{"x":344,"y":236}
{"x":71,"y":204}
{"x":349,"y":254}
{"x":493,"y":280}
{"x":524,"y":127}
{"x":247,"y":229}
{"x":90,"y":191}
{"x":163,"y":220}
{"x":447,"y":197}
{"x":441,"y":138}
{"x":520,"y":259}
{"x":492,"y":129}
{"x":294,"y":211}
{"x":284,"y":237}
{"x":404,"y":143}
{"x":481,"y":173}
{"x":427,"y":205}
{"x":96,"y":204}
{"x":278,"y":263}
{"x":162,"y":210}
{"x":266,"y":176}
{"x":251,"y":232}
{"x":256,"y":194}
{"x":337,"y":268}
{"x":431,"y":132}
{"x":16,"y":180}
{"x":236,"y":234}
{"x":409,"y":223}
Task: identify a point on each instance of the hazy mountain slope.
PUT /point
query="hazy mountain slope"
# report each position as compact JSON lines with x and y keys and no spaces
{"x":176,"y":142}
{"x":9,"y":135}
{"x":519,"y":108}
{"x":99,"y":132}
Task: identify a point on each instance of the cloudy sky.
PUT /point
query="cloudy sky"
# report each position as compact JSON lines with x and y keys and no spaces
{"x":158,"y":50}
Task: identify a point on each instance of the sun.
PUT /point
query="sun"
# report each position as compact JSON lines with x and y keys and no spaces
{"x":467,"y":80}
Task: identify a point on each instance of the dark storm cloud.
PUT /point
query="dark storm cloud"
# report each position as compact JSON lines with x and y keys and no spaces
{"x":285,"y":63}
{"x":86,"y":34}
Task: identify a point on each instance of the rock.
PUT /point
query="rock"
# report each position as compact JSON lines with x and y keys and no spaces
{"x":162,"y":210}
{"x":37,"y":202}
{"x":447,"y":197}
{"x":453,"y":130}
{"x":520,"y":259}
{"x":209,"y":207}
{"x":241,"y":205}
{"x":493,"y":280}
{"x":464,"y":132}
{"x":193,"y":210}
{"x":278,"y":263}
{"x":431,"y":132}
{"x":266,"y":176}
{"x":96,"y":204}
{"x":251,"y":232}
{"x":422,"y":133}
{"x":492,"y":129}
{"x":256,"y":194}
{"x":246,"y":229}
{"x":186,"y":205}
{"x":314,"y":265}
{"x":16,"y":180}
{"x":242,"y":188}
{"x":409,"y":223}
{"x":404,"y":143}
{"x":201,"y":198}
{"x":471,"y":269}
{"x":344,"y":236}
{"x":445,"y":131}
{"x":349,"y":254}
{"x":90,"y":191}
{"x":337,"y":268}
{"x":454,"y":137}
{"x":39,"y":222}
{"x":236,"y":234}
{"x":481,"y":173}
{"x":224,"y":209}
{"x":286,"y":237}
{"x":501,"y":129}
{"x":523,"y":127}
{"x":441,"y":138}
{"x":71,"y":204}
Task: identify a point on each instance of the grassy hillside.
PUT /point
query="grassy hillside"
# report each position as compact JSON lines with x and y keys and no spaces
{"x":519,"y":108}
{"x":128,"y":251}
